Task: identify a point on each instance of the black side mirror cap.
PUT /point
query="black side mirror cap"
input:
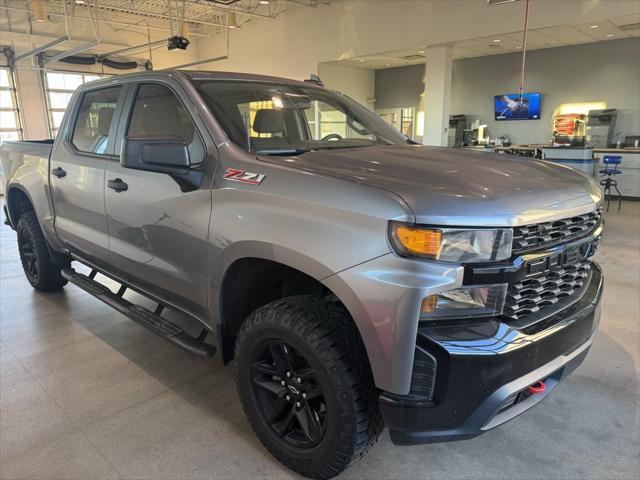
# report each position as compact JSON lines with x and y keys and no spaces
{"x":156,"y":154}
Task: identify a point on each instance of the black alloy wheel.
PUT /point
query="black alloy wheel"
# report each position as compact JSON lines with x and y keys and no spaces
{"x":305,"y":384}
{"x":289,"y":395}
{"x":28,"y":254}
{"x":41,"y":265}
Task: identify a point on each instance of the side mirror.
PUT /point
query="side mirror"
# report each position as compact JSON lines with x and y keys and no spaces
{"x":156,"y":154}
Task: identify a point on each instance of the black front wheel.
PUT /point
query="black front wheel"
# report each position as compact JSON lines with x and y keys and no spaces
{"x":40,"y":268}
{"x":306,"y":386}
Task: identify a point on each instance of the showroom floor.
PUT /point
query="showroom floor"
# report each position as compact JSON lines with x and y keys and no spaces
{"x":88,"y":394}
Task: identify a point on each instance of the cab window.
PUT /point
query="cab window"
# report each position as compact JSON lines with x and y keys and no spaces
{"x":93,"y":123}
{"x":157,"y":112}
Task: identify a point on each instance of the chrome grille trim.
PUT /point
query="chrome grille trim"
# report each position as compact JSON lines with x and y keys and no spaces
{"x":541,"y":235}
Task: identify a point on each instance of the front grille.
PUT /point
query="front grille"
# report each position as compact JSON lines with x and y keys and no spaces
{"x":541,"y":235}
{"x":541,"y":291}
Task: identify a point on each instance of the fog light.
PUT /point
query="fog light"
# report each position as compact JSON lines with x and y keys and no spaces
{"x":475,"y":301}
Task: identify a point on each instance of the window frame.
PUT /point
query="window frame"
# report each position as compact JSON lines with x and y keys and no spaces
{"x":129,"y":106}
{"x":15,"y":106}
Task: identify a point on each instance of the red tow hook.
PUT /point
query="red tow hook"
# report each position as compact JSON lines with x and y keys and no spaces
{"x":536,"y":388}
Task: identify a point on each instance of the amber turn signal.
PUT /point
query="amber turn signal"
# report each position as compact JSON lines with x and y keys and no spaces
{"x":420,"y":241}
{"x":429,"y":304}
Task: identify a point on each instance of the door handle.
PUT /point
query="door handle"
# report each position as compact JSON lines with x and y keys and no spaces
{"x":58,"y":172}
{"x":118,"y":185}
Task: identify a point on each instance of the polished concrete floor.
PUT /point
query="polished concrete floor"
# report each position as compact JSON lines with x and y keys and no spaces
{"x":88,"y":394}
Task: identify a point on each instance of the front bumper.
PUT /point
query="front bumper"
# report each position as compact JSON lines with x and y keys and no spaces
{"x":483,"y":369}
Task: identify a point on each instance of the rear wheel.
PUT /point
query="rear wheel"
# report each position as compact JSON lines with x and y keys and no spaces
{"x":306,"y":386}
{"x":42,"y":271}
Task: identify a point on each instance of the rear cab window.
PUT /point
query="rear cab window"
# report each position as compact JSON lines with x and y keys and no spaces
{"x":92,"y":132}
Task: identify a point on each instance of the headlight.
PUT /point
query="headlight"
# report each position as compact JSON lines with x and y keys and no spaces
{"x":473,"y":301}
{"x":452,"y":244}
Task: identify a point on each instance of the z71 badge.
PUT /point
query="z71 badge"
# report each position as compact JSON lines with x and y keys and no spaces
{"x":242,"y":176}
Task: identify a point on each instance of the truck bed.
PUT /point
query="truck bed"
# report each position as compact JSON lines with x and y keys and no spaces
{"x":25,"y":165}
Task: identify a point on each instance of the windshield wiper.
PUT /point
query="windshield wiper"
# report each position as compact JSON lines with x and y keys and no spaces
{"x":283,"y":151}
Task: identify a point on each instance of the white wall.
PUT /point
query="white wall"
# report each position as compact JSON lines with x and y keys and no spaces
{"x":358,"y":83}
{"x":295,"y":43}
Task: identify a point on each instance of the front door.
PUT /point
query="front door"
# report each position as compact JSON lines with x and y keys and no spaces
{"x":158,"y":227}
{"x":77,"y":171}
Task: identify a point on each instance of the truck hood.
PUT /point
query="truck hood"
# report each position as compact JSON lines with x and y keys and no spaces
{"x":445,"y":186}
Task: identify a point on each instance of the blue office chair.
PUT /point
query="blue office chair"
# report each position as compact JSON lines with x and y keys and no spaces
{"x":610,"y":170}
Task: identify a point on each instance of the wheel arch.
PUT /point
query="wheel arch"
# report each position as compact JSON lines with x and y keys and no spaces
{"x":250,"y":282}
{"x":18,"y":202}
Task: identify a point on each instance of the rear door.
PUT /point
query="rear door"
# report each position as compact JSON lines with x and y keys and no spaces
{"x":78,"y":167}
{"x":158,"y":226}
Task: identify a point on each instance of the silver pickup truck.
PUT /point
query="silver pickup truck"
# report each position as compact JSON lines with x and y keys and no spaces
{"x":358,"y":280}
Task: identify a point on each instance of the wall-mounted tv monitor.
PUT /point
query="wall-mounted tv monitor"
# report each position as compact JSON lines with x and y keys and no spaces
{"x":509,"y":106}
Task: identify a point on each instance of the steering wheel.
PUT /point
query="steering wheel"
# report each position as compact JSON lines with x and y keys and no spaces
{"x":331,"y":136}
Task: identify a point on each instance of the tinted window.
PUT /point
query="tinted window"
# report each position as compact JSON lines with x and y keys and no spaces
{"x":157,"y":112}
{"x":91,"y":132}
{"x":278,"y":119}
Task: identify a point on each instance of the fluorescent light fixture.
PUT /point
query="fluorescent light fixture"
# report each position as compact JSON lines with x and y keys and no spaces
{"x":362,"y":60}
{"x":496,"y":40}
{"x":387,"y":64}
{"x":420,"y":51}
{"x":264,"y":2}
{"x":593,"y":27}
{"x":611,"y":35}
{"x":518,"y":47}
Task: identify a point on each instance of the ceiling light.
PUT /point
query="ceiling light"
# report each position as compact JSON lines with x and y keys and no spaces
{"x":420,"y":51}
{"x":611,"y":35}
{"x":518,"y":47}
{"x":496,"y":40}
{"x":231,"y":20}
{"x":593,"y":27}
{"x":361,"y":60}
{"x":387,"y":64}
{"x":264,"y":2}
{"x":39,"y":12}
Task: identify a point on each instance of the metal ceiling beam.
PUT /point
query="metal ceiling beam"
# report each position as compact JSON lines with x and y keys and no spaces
{"x":42,"y":48}
{"x":107,"y":21}
{"x":217,"y":6}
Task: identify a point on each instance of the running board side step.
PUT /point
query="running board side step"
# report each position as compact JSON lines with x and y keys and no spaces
{"x":153,"y":321}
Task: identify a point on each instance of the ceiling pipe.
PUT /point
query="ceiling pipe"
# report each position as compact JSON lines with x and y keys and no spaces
{"x":524,"y":50}
{"x":137,"y":47}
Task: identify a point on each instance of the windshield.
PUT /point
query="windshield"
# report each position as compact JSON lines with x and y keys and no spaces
{"x":277,"y":119}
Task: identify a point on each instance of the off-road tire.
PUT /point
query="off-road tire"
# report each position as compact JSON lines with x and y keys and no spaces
{"x":323,"y":332}
{"x":46,"y":275}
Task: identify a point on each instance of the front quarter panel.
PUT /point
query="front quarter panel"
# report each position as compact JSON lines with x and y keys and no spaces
{"x":313,"y":223}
